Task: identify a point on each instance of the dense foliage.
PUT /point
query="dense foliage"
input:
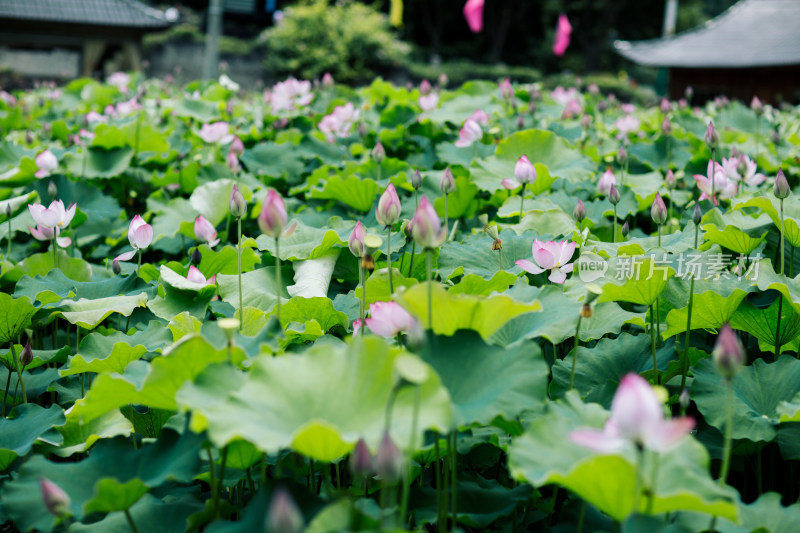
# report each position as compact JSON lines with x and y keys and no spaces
{"x":201,"y":327}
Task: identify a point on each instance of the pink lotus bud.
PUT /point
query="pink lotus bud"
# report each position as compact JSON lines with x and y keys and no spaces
{"x":580,"y":211}
{"x":237,"y":204}
{"x":389,"y":461}
{"x":272,"y":218}
{"x":232,"y":162}
{"x":625,"y":229}
{"x":389,"y":207}
{"x":666,"y":126}
{"x":356,"y":242}
{"x":426,"y":229}
{"x":586,"y":121}
{"x":665,"y":106}
{"x":327,"y":80}
{"x":711,"y":137}
{"x":757,"y":106}
{"x":283,"y":515}
{"x":443,"y":80}
{"x":683,"y":399}
{"x":697,"y":214}
{"x":728,"y":354}
{"x":140,"y":233}
{"x":378,"y":153}
{"x":448,"y":183}
{"x":670,"y":181}
{"x":26,"y":356}
{"x":606,"y":181}
{"x":688,"y":92}
{"x":524,"y":170}
{"x":424,"y":87}
{"x":204,"y":231}
{"x":506,"y":89}
{"x":237,"y":147}
{"x":781,"y":189}
{"x":613,"y":195}
{"x":55,"y":499}
{"x":361,"y":460}
{"x":622,"y":156}
{"x":116,"y":268}
{"x":658,"y":211}
{"x":52,"y":190}
{"x":416,"y":180}
{"x":46,"y":162}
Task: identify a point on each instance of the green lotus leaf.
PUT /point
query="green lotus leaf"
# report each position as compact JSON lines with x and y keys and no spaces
{"x":15,"y":315}
{"x":24,"y":426}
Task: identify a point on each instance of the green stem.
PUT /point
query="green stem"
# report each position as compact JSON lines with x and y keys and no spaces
{"x":136,"y":139}
{"x":653,"y":344}
{"x":637,"y":488}
{"x":651,"y":497}
{"x":659,"y":235}
{"x":8,"y":254}
{"x":129,"y":518}
{"x":614,"y":227}
{"x":453,"y":476}
{"x":685,"y":357}
{"x":726,"y":450}
{"x":575,"y":353}
{"x":437,"y":467}
{"x":446,"y":214}
{"x":521,"y":202}
{"x":409,"y":454}
{"x":221,"y":481}
{"x":139,"y":265}
{"x":582,"y":516}
{"x":239,"y":270}
{"x":278,"y":283}
{"x":713,"y":175}
{"x":783,"y":251}
{"x":429,"y":270}
{"x":389,"y":257}
{"x":19,"y":373}
{"x":55,"y":250}
{"x":411,"y":263}
{"x":778,"y":328}
{"x":362,"y":307}
{"x":212,"y":481}
{"x":5,"y":394}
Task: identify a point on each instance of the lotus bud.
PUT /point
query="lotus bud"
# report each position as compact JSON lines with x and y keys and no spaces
{"x":711,"y":137}
{"x":327,"y":80}
{"x":520,"y":122}
{"x":697,"y":215}
{"x":448,"y":183}
{"x":52,"y":190}
{"x":670,"y":181}
{"x":524,"y":171}
{"x":443,"y":80}
{"x":683,"y":399}
{"x":283,"y":515}
{"x":416,"y":180}
{"x":586,"y":121}
{"x":356,"y":241}
{"x":425,"y":87}
{"x":237,"y":147}
{"x":8,"y":210}
{"x":781,"y":189}
{"x":613,"y":195}
{"x":665,"y":107}
{"x":658,"y":211}
{"x":237,"y":204}
{"x":728,"y":354}
{"x":378,"y":153}
{"x":757,"y":106}
{"x":55,"y":499}
{"x":389,"y":461}
{"x":388,"y":211}
{"x":272,"y":218}
{"x":196,"y":256}
{"x":580,"y":211}
{"x":625,"y":230}
{"x":115,"y":267}
{"x":666,"y":126}
{"x":232,"y":162}
{"x":26,"y":356}
{"x":506,"y":90}
{"x":622,"y":156}
{"x":361,"y":461}
{"x":426,"y":228}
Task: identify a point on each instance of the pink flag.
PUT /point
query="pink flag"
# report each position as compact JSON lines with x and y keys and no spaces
{"x":563,"y":32}
{"x":473,"y":12}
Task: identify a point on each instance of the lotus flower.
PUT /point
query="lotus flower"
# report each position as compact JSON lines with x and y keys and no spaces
{"x":53,"y":216}
{"x":43,"y":233}
{"x":339,"y":123}
{"x":290,"y":94}
{"x":127,"y":107}
{"x":728,"y":354}
{"x":237,"y":146}
{"x":607,"y":180}
{"x":524,"y":174}
{"x":572,"y":109}
{"x":94,"y":116}
{"x":627,"y":124}
{"x":563,"y":96}
{"x":388,"y":211}
{"x":724,"y":188}
{"x":120,"y":80}
{"x":563,"y":31}
{"x":218,"y":132}
{"x":481,"y":117}
{"x":637,"y":418}
{"x":140,"y":236}
{"x":552,"y":256}
{"x":742,"y":168}
{"x":469,"y":134}
{"x":204,"y":231}
{"x":46,"y":162}
{"x":428,"y":101}
{"x":425,"y":227}
{"x":195,"y":276}
{"x":387,"y":319}
{"x":473,"y":12}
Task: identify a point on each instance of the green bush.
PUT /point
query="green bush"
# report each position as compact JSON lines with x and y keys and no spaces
{"x":461,"y":71}
{"x":352,"y":41}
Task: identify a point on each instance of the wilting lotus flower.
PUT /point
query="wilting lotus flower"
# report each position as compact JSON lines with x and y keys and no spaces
{"x":339,"y":123}
{"x":425,"y":227}
{"x":481,"y":117}
{"x":563,"y":32}
{"x":552,"y":256}
{"x":46,"y":162}
{"x":53,"y":216}
{"x":195,"y":276}
{"x":637,"y":418}
{"x":43,"y":233}
{"x":290,"y":94}
{"x":469,"y":134}
{"x":388,"y":211}
{"x":387,"y":319}
{"x":204,"y":231}
{"x":607,"y":180}
{"x":724,"y":188}
{"x":473,"y":12}
{"x":627,"y":124}
{"x":216,"y":133}
{"x":140,"y":236}
{"x":524,"y":174}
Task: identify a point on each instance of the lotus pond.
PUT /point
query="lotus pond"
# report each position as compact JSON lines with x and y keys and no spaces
{"x":319,"y":308}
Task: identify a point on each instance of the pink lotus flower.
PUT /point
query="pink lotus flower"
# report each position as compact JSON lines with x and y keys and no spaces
{"x":524,"y":174}
{"x":387,"y":319}
{"x":120,"y":80}
{"x":127,"y":107}
{"x":481,"y":117}
{"x":339,"y":123}
{"x":473,"y":12}
{"x":46,"y":162}
{"x":572,"y":109}
{"x":195,"y":276}
{"x":43,"y":233}
{"x":388,"y":211}
{"x":724,"y":188}
{"x":272,"y":218}
{"x":428,"y":101}
{"x":607,"y":180}
{"x":94,"y":116}
{"x":469,"y":134}
{"x":218,"y":132}
{"x":289,"y":95}
{"x":637,"y":418}
{"x":204,"y":231}
{"x":140,"y":236}
{"x":53,"y":216}
{"x":742,"y":168}
{"x":563,"y":96}
{"x":563,"y":32}
{"x":425,"y":227}
{"x":627,"y":124}
{"x":552,"y":256}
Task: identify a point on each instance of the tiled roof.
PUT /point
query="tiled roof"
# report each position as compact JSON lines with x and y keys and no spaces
{"x":120,"y":13}
{"x":752,"y":33}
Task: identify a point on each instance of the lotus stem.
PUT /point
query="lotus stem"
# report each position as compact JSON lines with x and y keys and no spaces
{"x":8,"y":254}
{"x":129,"y":518}
{"x":575,"y":353}
{"x":55,"y":250}
{"x":439,"y":487}
{"x":362,"y":308}
{"x":212,"y":481}
{"x":410,"y":453}
{"x":778,"y":340}
{"x":614,"y":227}
{"x":521,"y":202}
{"x":411,"y":263}
{"x":637,"y":488}
{"x":139,"y":264}
{"x":429,"y":270}
{"x":19,"y":373}
{"x":5,"y":394}
{"x":454,"y":478}
{"x":389,"y":256}
{"x":685,"y":357}
{"x":783,"y":250}
{"x":651,"y":494}
{"x":446,"y":214}
{"x":726,"y":450}
{"x":713,"y":175}
{"x":653,"y":345}
{"x":221,"y":481}
{"x":239,"y":270}
{"x":278,"y":278}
